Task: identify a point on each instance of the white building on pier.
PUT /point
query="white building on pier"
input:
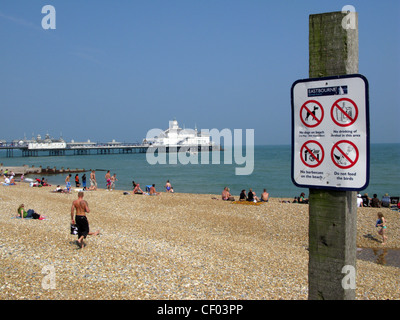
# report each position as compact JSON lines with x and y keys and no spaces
{"x":175,"y":136}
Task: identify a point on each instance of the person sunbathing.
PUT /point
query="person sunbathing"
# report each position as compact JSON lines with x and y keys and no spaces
{"x":28,"y":214}
{"x":137,"y":189}
{"x":226,"y":195}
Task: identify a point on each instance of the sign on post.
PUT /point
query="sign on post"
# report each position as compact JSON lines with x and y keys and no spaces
{"x":330,"y":133}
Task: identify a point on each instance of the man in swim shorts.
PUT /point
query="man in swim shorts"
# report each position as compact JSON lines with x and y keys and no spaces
{"x":153,"y":191}
{"x":108,"y":180}
{"x":81,"y":221}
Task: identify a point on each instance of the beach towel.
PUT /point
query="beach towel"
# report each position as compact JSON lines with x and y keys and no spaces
{"x":252,"y":203}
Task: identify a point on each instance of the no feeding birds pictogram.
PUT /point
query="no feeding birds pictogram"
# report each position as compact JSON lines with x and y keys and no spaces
{"x":344,"y":154}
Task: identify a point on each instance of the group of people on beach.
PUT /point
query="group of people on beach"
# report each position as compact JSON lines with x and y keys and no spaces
{"x":110,"y":181}
{"x":80,"y":207}
{"x":365,"y":201}
{"x":151,"y":189}
{"x":250,"y":196}
{"x":8,"y":177}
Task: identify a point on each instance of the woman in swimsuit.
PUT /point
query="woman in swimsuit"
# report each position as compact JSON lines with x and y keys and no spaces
{"x":168,"y":186}
{"x":381,"y":222}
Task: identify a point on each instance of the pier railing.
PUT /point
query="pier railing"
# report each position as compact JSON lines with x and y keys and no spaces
{"x":95,"y":148}
{"x":73,"y":149}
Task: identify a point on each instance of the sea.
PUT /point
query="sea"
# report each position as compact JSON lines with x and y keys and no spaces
{"x":272,"y":171}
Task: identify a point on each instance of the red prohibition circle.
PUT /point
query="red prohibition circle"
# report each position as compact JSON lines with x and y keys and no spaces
{"x":352,"y":119}
{"x":352,"y":162}
{"x":304,"y":106}
{"x":311,"y":154}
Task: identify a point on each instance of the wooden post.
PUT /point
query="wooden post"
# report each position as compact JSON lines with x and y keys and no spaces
{"x":333,"y":50}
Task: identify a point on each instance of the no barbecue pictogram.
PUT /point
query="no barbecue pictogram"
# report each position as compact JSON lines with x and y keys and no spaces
{"x":344,"y":112}
{"x":312,"y":153}
{"x":344,"y":154}
{"x":311,"y":113}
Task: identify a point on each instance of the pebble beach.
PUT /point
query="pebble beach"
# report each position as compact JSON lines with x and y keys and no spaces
{"x":172,"y":246}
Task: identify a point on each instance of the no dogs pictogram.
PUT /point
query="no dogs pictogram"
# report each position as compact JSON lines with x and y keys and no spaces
{"x":311,"y":113}
{"x":312,"y":153}
{"x":344,"y":112}
{"x":344,"y":154}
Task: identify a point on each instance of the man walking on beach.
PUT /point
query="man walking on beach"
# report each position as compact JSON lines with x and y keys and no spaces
{"x":81,"y":207}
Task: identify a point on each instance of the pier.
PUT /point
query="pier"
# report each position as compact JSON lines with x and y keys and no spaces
{"x":73,"y":149}
{"x":171,"y":140}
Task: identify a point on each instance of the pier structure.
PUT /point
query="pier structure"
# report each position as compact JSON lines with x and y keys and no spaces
{"x":98,"y":149}
{"x":174,"y":139}
{"x":73,"y":149}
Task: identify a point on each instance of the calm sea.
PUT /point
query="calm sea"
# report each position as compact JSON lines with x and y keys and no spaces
{"x":272,"y":170}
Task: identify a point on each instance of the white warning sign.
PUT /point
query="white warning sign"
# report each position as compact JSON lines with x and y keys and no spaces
{"x":330,"y":132}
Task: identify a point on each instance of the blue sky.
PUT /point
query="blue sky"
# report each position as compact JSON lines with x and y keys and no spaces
{"x":116,"y":69}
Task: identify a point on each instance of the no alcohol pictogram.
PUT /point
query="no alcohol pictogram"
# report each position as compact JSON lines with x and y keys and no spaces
{"x":344,"y":154}
{"x":344,"y":112}
{"x":312,"y":153}
{"x":311,"y":113}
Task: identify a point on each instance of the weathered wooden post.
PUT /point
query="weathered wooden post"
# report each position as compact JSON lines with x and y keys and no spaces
{"x":333,"y":50}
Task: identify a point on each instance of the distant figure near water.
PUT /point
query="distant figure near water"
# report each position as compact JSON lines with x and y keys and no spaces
{"x":68,"y":182}
{"x":108,"y":180}
{"x":381,"y":223}
{"x":77,"y":184}
{"x":113,"y":181}
{"x":168,"y":186}
{"x":226,"y":195}
{"x":153,"y":191}
{"x":93,"y":182}
{"x":265,"y":196}
{"x":136,"y":188}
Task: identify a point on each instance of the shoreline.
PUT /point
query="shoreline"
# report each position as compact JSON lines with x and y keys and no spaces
{"x":173,"y":246}
{"x":276,"y":177}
